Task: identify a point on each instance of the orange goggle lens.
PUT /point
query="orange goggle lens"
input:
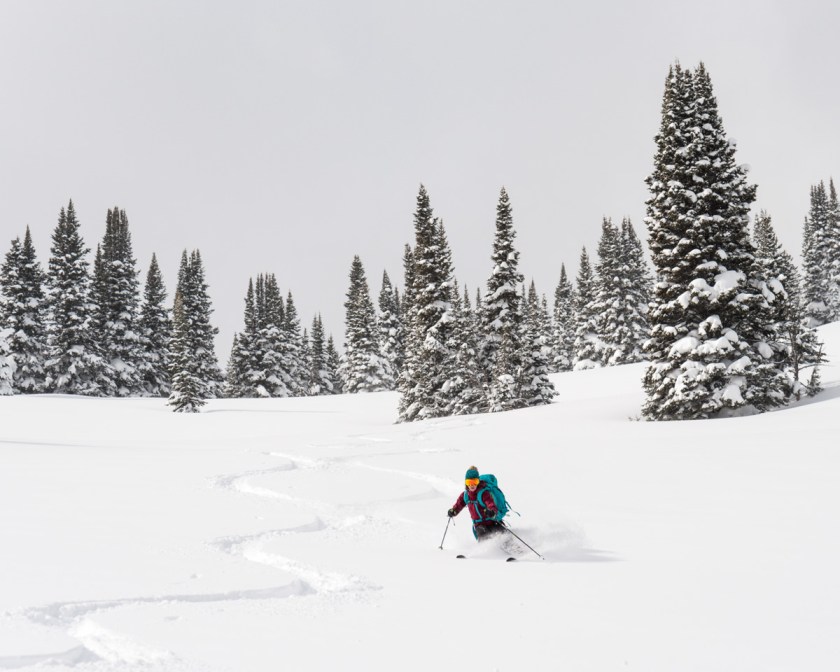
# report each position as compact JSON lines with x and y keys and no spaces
{"x":472,"y":481}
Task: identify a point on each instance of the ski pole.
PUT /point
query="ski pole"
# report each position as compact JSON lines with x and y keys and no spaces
{"x":444,"y":533}
{"x":518,"y":537}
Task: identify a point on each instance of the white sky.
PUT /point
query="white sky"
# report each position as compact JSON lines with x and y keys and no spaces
{"x":288,"y":136}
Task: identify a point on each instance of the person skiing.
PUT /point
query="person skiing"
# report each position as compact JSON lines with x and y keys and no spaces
{"x":478,"y":500}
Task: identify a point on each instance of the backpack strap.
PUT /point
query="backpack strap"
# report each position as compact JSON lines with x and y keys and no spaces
{"x":480,"y":507}
{"x":479,"y":502}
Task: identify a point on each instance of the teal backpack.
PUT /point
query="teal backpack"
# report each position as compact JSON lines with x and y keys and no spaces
{"x":489,"y":482}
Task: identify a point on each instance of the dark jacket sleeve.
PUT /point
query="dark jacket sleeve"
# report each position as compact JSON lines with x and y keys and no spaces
{"x":459,"y":503}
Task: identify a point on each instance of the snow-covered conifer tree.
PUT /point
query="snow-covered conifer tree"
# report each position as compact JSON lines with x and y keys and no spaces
{"x":188,"y":393}
{"x":816,"y":259}
{"x":73,"y":364}
{"x":564,"y":323}
{"x":390,"y":329}
{"x":244,"y":377}
{"x":323,"y":381}
{"x":547,"y":327}
{"x":609,"y":296}
{"x":22,"y":312}
{"x":155,"y":332}
{"x":833,"y":224}
{"x":333,"y":363}
{"x":430,"y":361}
{"x":408,"y":293}
{"x":306,"y":348}
{"x":294,"y":351}
{"x":502,"y":347}
{"x":637,"y":284}
{"x":406,"y":381}
{"x":364,"y":368}
{"x":235,"y":383}
{"x":203,"y":329}
{"x":587,"y":346}
{"x":465,"y":387}
{"x":708,"y":347}
{"x":115,"y":293}
{"x":275,"y":376}
{"x":536,"y":388}
{"x":797,"y":348}
{"x":195,"y":371}
{"x":7,"y":363}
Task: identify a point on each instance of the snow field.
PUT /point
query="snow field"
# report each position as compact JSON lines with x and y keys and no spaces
{"x":303,"y":534}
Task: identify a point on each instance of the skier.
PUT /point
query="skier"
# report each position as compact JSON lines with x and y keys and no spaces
{"x":482,"y":510}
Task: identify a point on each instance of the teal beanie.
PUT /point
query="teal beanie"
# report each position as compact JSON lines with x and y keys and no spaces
{"x":472,"y":472}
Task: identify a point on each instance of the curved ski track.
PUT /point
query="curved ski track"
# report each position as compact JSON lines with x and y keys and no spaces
{"x":101,"y":649}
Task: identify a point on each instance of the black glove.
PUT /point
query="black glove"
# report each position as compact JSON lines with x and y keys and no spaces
{"x":452,"y":513}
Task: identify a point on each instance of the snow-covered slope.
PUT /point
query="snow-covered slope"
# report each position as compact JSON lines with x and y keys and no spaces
{"x":303,"y":534}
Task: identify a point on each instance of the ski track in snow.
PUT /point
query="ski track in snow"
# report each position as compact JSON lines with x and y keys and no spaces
{"x":70,"y":658}
{"x":329,"y":517}
{"x":99,"y":645}
{"x":70,"y":614}
{"x":441,"y":486}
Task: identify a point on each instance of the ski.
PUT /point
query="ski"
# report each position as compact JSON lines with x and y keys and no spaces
{"x":464,"y":557}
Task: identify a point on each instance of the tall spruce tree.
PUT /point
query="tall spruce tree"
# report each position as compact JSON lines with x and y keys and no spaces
{"x":294,"y":351}
{"x":816,"y":259}
{"x":306,"y":349}
{"x":430,"y":361}
{"x":155,"y":332}
{"x":364,"y":368}
{"x":564,"y":323}
{"x":821,"y":256}
{"x":235,"y":382}
{"x":798,"y":349}
{"x":406,"y":381}
{"x":622,"y":294}
{"x":73,"y":364}
{"x":268,"y":356}
{"x":7,"y":363}
{"x":464,"y":389}
{"x":609,"y":296}
{"x":587,"y":345}
{"x":272,"y":348}
{"x":244,"y":377}
{"x":22,"y":312}
{"x":708,"y":346}
{"x":833,"y":223}
{"x":637,"y":284}
{"x":536,"y":388}
{"x":234,"y":385}
{"x":115,"y":293}
{"x":204,"y":330}
{"x":333,"y":363}
{"x":390,"y":329}
{"x":196,"y":376}
{"x":323,"y":379}
{"x":548,"y":333}
{"x":188,"y":392}
{"x":502,"y":321}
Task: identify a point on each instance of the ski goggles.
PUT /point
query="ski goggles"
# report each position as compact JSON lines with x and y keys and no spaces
{"x":472,"y":481}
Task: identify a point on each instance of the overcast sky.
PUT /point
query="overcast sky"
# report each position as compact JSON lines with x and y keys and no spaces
{"x":286,"y":137}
